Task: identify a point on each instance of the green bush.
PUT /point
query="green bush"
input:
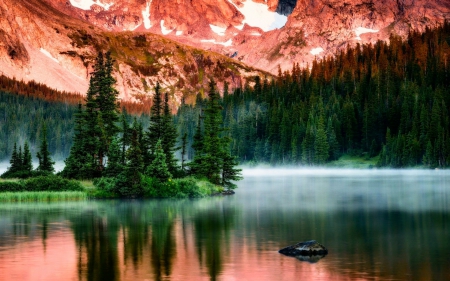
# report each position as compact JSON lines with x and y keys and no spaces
{"x":105,"y":184}
{"x":178,"y":188}
{"x":11,"y":186}
{"x":51,"y":183}
{"x":105,"y":188}
{"x":24,"y":174}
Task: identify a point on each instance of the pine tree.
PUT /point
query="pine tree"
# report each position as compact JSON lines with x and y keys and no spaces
{"x":115,"y":166}
{"x":212,"y":158}
{"x":159,"y":168}
{"x":321,"y":146}
{"x":169,"y":137}
{"x":77,"y":164}
{"x":27,"y":165}
{"x":229,"y":171}
{"x":183,"y":152}
{"x":156,"y":128}
{"x":212,"y":145}
{"x":45,"y":161}
{"x":15,"y":163}
{"x":129,"y":181}
{"x":125,"y":140}
{"x":96,"y":125}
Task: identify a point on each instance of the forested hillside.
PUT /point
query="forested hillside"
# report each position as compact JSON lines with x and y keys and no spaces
{"x":22,"y":118}
{"x":388,"y":99}
{"x":384,"y":98}
{"x":25,"y":106}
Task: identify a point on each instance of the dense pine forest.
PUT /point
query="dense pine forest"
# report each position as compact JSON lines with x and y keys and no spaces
{"x":387,"y":99}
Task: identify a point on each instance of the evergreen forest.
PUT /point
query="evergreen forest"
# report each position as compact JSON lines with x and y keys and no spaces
{"x":387,"y":99}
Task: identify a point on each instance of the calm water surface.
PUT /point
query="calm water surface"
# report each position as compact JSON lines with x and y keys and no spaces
{"x":377,"y":225}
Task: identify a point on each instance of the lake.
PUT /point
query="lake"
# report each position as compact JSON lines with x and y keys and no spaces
{"x":376,"y":224}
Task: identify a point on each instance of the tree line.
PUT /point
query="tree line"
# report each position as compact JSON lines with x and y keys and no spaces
{"x":388,"y":99}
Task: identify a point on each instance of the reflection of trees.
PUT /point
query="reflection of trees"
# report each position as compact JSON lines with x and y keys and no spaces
{"x":212,"y":229}
{"x":96,"y":239}
{"x":135,"y":231}
{"x":163,"y":245}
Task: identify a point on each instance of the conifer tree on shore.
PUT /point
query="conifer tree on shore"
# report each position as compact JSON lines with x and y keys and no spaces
{"x":45,"y":161}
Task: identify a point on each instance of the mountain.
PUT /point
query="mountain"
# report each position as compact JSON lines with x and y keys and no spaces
{"x":183,"y":43}
{"x":42,"y":43}
{"x":264,"y":33}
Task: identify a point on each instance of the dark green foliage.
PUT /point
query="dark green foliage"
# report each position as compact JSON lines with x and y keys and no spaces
{"x":21,"y":165}
{"x":16,"y":161}
{"x":178,"y":188}
{"x":359,"y":93}
{"x":158,"y":168}
{"x":105,"y":188}
{"x":183,"y":152}
{"x":212,"y":158}
{"x":156,"y":129}
{"x":52,"y":183}
{"x":115,"y":165}
{"x":11,"y":186}
{"x":27,"y":164}
{"x":169,"y":137}
{"x":45,"y":161}
{"x":129,"y":181}
{"x":95,"y":126}
{"x":229,"y":171}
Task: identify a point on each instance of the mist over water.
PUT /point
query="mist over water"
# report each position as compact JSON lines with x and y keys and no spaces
{"x":351,"y":189}
{"x":376,"y":224}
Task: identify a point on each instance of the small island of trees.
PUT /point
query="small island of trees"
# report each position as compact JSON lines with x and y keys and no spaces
{"x":125,"y":160}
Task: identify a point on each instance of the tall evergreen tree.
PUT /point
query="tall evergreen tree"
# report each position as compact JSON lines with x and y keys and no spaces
{"x":15,"y":161}
{"x":155,"y":131}
{"x":321,"y":145}
{"x":27,"y":165}
{"x":78,"y":164}
{"x":45,"y":161}
{"x":129,"y":182}
{"x":169,"y":137}
{"x":96,"y":125}
{"x":159,"y":168}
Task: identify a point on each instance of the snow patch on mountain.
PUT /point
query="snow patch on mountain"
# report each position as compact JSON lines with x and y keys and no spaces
{"x":361,"y":30}
{"x":316,"y":51}
{"x":47,"y":54}
{"x":146,"y":15}
{"x":179,"y":33}
{"x":226,"y":44}
{"x":218,"y":30}
{"x":164,"y":30}
{"x":258,"y":15}
{"x":86,"y":4}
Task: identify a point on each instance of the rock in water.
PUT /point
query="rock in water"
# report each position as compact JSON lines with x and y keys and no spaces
{"x":308,"y":248}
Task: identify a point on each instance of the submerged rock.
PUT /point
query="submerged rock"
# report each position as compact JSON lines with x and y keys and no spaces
{"x":228,"y":192}
{"x":308,"y":248}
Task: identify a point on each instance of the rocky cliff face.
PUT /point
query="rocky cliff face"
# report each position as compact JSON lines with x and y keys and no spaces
{"x":264,"y":33}
{"x":41,"y":42}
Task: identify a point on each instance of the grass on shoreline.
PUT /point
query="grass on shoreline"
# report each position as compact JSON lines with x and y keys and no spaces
{"x":42,"y":196}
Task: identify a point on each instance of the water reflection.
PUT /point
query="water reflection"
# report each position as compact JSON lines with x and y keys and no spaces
{"x":383,"y":226}
{"x":212,"y":230}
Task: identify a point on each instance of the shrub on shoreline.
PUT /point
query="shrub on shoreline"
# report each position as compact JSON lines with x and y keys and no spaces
{"x":41,"y":183}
